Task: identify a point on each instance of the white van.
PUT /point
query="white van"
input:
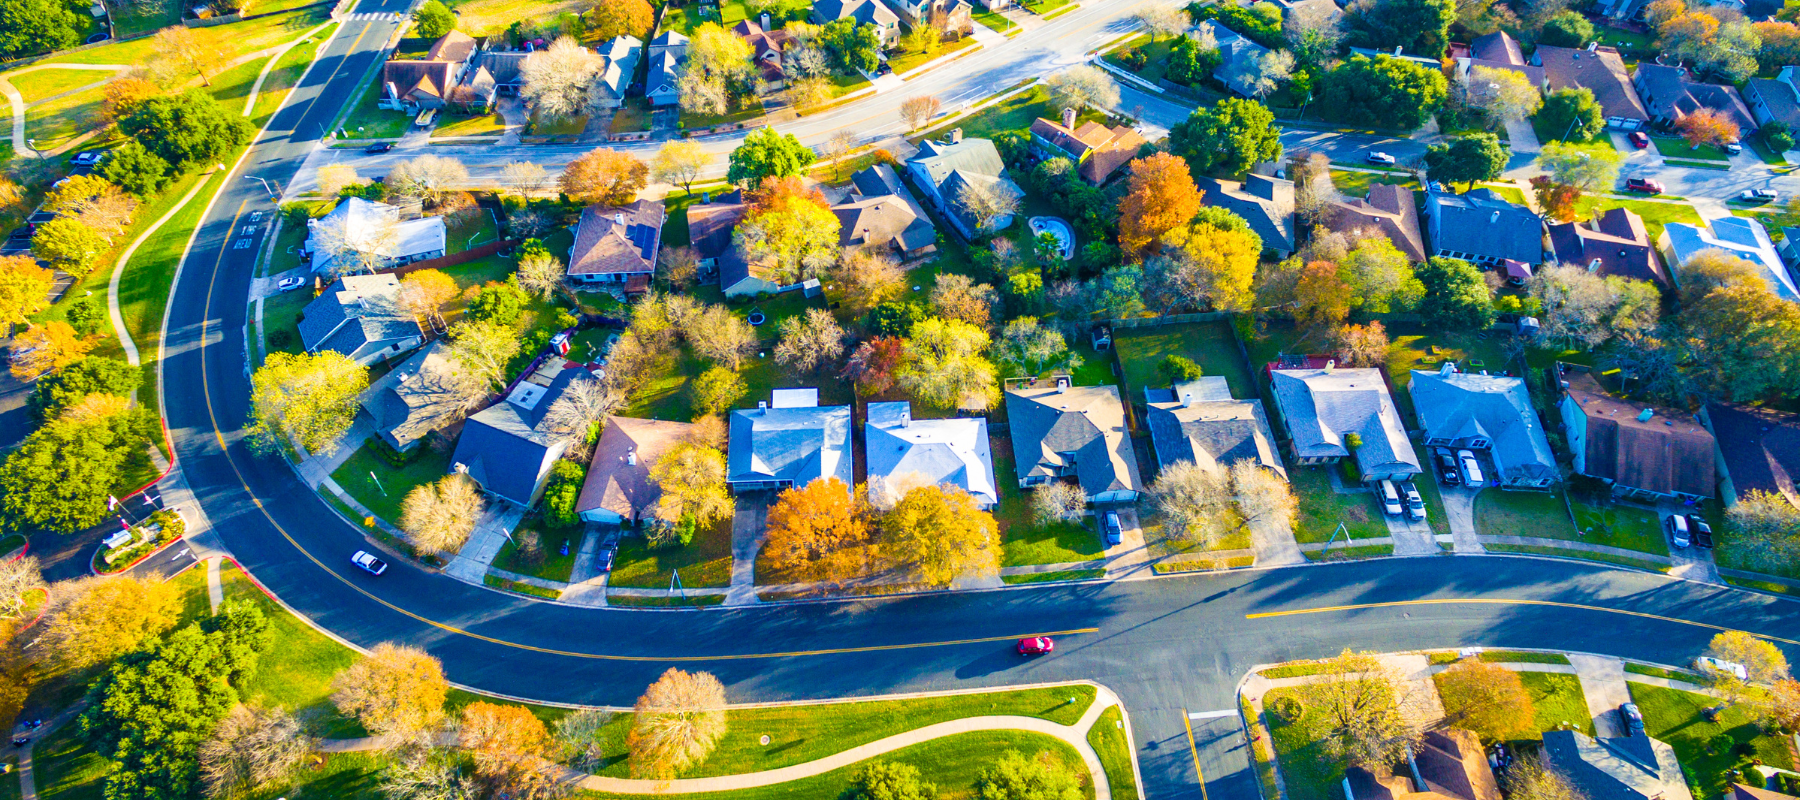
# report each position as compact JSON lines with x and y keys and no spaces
{"x":1472,"y":476}
{"x":1390,"y":497}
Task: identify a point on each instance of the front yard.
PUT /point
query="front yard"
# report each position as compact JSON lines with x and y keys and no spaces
{"x":1022,"y":539}
{"x":704,"y":562}
{"x":363,"y":120}
{"x":453,"y":124}
{"x":1655,"y":214}
{"x":1676,"y":147}
{"x":548,"y":561}
{"x":910,"y":61}
{"x":1543,"y":515}
{"x":1707,"y":747}
{"x":1322,"y":508}
{"x":381,"y":486}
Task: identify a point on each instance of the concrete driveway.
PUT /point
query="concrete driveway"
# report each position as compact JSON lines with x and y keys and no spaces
{"x":1603,"y":683}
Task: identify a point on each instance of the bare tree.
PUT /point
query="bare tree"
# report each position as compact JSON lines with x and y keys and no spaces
{"x":868,"y":277}
{"x":438,"y":517}
{"x":483,"y":349}
{"x":179,"y":48}
{"x":702,"y":93}
{"x":528,"y":223}
{"x":1262,"y":494}
{"x":1532,"y":778}
{"x":559,"y":79}
{"x":1357,"y":702}
{"x":988,"y":203}
{"x":679,"y":265}
{"x":584,"y":737}
{"x":917,"y":111}
{"x":397,"y":692}
{"x":1166,"y":20}
{"x":1082,"y":86}
{"x":541,"y":273}
{"x":678,"y":721}
{"x":837,"y":147}
{"x":1058,"y":502}
{"x":252,"y":748}
{"x":356,"y":244}
{"x":424,"y":773}
{"x":335,"y":178}
{"x":93,"y":201}
{"x":1316,"y":194}
{"x":717,"y":334}
{"x":1195,"y":503}
{"x":576,"y":414}
{"x":18,"y":577}
{"x":526,"y":177}
{"x":810,"y":341}
{"x":1576,"y":303}
{"x":681,"y":161}
{"x":429,"y":178}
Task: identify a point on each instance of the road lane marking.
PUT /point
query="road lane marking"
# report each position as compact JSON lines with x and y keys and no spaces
{"x":1195,"y":752}
{"x":1229,"y":712}
{"x":1501,"y":601}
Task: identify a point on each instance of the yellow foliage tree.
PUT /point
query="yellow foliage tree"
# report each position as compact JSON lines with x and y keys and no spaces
{"x":938,"y":535}
{"x":817,"y":533}
{"x":396,"y":692}
{"x":92,"y":620}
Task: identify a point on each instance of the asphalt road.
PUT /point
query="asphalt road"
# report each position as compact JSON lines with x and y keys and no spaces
{"x":1169,"y":647}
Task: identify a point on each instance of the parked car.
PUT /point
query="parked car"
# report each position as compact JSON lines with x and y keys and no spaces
{"x":1471,"y":469}
{"x":89,"y":158}
{"x":1381,"y":158}
{"x":1415,"y":504}
{"x":1110,"y":530}
{"x":1677,"y":527}
{"x":1644,"y":185}
{"x":1630,"y":719}
{"x":369,"y":563}
{"x":290,"y":284}
{"x":1734,"y":147}
{"x":1702,"y":531}
{"x":1447,"y":472}
{"x":1708,"y":663}
{"x":1639,"y":139}
{"x":1389,"y":496}
{"x":1758,"y":195}
{"x":1036,"y":646}
{"x":379,"y":147}
{"x":606,"y":560}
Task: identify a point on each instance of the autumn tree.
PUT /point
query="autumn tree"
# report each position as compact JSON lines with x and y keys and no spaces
{"x":959,"y":297}
{"x":68,"y":245}
{"x":1058,"y":502}
{"x":1487,"y":699}
{"x":253,"y":748}
{"x":614,"y":18}
{"x":1533,"y":778}
{"x":1213,"y":266}
{"x":789,"y":231}
{"x":1767,"y":526}
{"x":309,"y":400}
{"x":938,"y":535}
{"x":818,"y":533}
{"x":1743,"y":341}
{"x":510,"y":746}
{"x":1160,"y":197}
{"x":438,"y":517}
{"x":947,"y":366}
{"x":681,"y":161}
{"x":1363,"y":345}
{"x":559,"y":81}
{"x":691,"y":477}
{"x":1763,"y":665}
{"x":1356,"y":702}
{"x":676,"y":724}
{"x":1561,"y":202}
{"x":90,"y":621}
{"x":46,"y":347}
{"x":874,"y":367}
{"x":916,"y":111}
{"x":723,"y":337}
{"x":1505,"y":95}
{"x":809,"y":341}
{"x":122,"y":95}
{"x":604,"y":176}
{"x":19,"y":577}
{"x":396,"y":692}
{"x":1321,"y":297}
{"x":92,"y":201}
{"x":866,"y":278}
{"x":180,"y":49}
{"x":424,"y":293}
{"x":1707,"y":126}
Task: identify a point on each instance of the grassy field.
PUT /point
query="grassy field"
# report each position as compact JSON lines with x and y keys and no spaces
{"x":1706,"y":748}
{"x":1156,"y":56}
{"x":1543,"y":515}
{"x":1052,"y":577}
{"x":996,"y":21}
{"x":465,"y":125}
{"x":1660,"y":672}
{"x":232,"y":40}
{"x":1557,"y":698}
{"x":910,"y":61}
{"x":53,"y":124}
{"x":1355,"y":183}
{"x":1322,"y":508}
{"x":296,"y":675}
{"x":1012,"y":114}
{"x":493,"y":16}
{"x":383,"y":490}
{"x":46,"y":83}
{"x":66,"y":766}
{"x":1209,"y":344}
{"x":1108,"y":739}
{"x":704,"y":562}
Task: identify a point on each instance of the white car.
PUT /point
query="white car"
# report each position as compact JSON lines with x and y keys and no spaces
{"x":1381,"y":158}
{"x":1471,"y":468}
{"x":1759,"y":195}
{"x":290,"y":284}
{"x":1708,"y":663}
{"x":369,"y":563}
{"x":1415,"y":505}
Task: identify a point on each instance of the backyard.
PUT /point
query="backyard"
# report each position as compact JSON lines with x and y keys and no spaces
{"x":1212,"y":345}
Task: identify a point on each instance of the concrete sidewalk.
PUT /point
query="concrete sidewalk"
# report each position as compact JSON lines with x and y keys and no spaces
{"x":491,"y":533}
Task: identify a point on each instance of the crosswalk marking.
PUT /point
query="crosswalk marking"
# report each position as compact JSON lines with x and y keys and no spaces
{"x":371,"y":15}
{"x":1229,"y":712}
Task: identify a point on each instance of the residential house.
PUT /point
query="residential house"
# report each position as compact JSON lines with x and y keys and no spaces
{"x":370,"y":227}
{"x":1489,"y":414}
{"x":767,"y":50}
{"x":422,"y":395}
{"x":1618,"y":768}
{"x":1389,"y":210}
{"x":865,"y":12}
{"x":503,"y":67}
{"x":360,"y":316}
{"x":955,"y":15}
{"x":621,"y":54}
{"x":1450,"y":764}
{"x":617,"y":246}
{"x":1774,"y":99}
{"x":710,"y":228}
{"x":880,"y":212}
{"x":1614,"y":243}
{"x":1758,"y":450}
{"x":1238,"y":57}
{"x":1644,"y":452}
{"x":1313,"y":11}
{"x":505,"y":447}
{"x":1599,"y":70}
{"x":1096,"y":150}
{"x":1741,"y":792}
{"x":1322,"y":407}
{"x":1496,"y":50}
{"x":1201,"y":423}
{"x":1063,"y":431}
{"x":1481,"y":227}
{"x":791,"y":441}
{"x":1737,"y":236}
{"x":942,"y":170}
{"x":1669,"y":94}
{"x":904,"y":452}
{"x":618,"y":489}
{"x":1266,"y":203}
{"x":668,"y":52}
{"x":415,"y":85}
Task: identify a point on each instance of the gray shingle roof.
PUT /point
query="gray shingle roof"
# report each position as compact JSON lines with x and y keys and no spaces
{"x":1461,"y":406}
{"x":1482,"y":223}
{"x":1086,"y":421}
{"x":1320,"y":406}
{"x":417,"y":397}
{"x":1760,"y":447}
{"x":504,"y":446}
{"x":792,"y":445}
{"x":941,"y":451}
{"x":1670,"y":92}
{"x":863,"y":11}
{"x":1266,"y":203}
{"x":356,"y":310}
{"x":1212,"y":433}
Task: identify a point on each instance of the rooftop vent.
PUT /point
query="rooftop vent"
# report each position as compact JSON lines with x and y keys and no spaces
{"x":631,"y":457}
{"x":1062,"y":385}
{"x":1330,"y":366}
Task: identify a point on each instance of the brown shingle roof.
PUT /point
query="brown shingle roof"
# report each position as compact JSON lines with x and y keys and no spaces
{"x":615,"y":484}
{"x":1741,"y":792}
{"x":710,"y":226}
{"x":1388,"y":209}
{"x":617,"y":239}
{"x":1601,"y":71}
{"x":455,"y":47}
{"x":1667,"y":453}
{"x":410,"y":76}
{"x":1616,"y":239}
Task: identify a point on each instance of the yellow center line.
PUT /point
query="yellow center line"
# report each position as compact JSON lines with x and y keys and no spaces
{"x":1501,"y":601}
{"x":1187,"y":722}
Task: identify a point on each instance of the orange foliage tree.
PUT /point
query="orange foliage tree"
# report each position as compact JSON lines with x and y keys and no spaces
{"x":1557,"y":199}
{"x":818,"y":532}
{"x":1707,"y":126}
{"x":1161,"y":197}
{"x":605,"y":176}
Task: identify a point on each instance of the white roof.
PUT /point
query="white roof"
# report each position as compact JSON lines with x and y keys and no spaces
{"x":412,"y":237}
{"x":938,"y":451}
{"x":795,"y":398}
{"x":1740,"y":237}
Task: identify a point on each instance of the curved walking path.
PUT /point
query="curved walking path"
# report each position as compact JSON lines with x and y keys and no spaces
{"x":112,"y":287}
{"x":1074,"y":735}
{"x":17,"y":101}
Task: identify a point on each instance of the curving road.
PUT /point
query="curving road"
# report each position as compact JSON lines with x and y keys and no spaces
{"x":1167,"y":646}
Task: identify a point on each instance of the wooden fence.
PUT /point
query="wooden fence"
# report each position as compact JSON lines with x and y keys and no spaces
{"x":454,"y":259}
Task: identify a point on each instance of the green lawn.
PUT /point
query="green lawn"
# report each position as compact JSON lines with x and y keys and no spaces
{"x":1321,"y":509}
{"x":1661,"y":672}
{"x":1621,"y":526}
{"x":281,"y":320}
{"x":1023,"y":541}
{"x":1015,"y":113}
{"x":1507,"y":191}
{"x":1043,"y":7}
{"x":1522,"y":657}
{"x":632,"y":117}
{"x":567,"y":126}
{"x":549,"y":564}
{"x":231,"y":41}
{"x":1606,"y":558}
{"x":67,"y":768}
{"x":493,"y":16}
{"x":1210,"y":344}
{"x":1656,"y":215}
{"x":996,"y":21}
{"x":129,"y":19}
{"x":45,"y":83}
{"x":296,"y":673}
{"x":1156,"y":56}
{"x":54,"y":123}
{"x":363,"y":120}
{"x":470,"y":229}
{"x":453,"y":124}
{"x":1675,"y":147}
{"x":695,"y":121}
{"x":389,"y":485}
{"x":1706,"y":749}
{"x":1306,"y":770}
{"x":1109,"y":741}
{"x":1356,"y":183}
{"x":1052,"y":577}
{"x":1557,"y":698}
{"x":1602,"y":141}
{"x":910,"y":61}
{"x":704,"y":562}
{"x":1542,"y":515}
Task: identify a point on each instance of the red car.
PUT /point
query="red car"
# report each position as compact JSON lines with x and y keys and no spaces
{"x":1639,"y":139}
{"x":1644,"y":185}
{"x":1036,"y":646}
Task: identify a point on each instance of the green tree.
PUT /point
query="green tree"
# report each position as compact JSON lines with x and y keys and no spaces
{"x":66,"y":386}
{"x":883,"y":780}
{"x":1179,"y":369}
{"x":1568,"y":29}
{"x":187,"y":130}
{"x":851,"y":46}
{"x":499,"y":303}
{"x":717,"y":390}
{"x":85,"y":316}
{"x":1383,"y":91}
{"x":1420,"y":27}
{"x":1572,"y":115}
{"x":1778,"y":136}
{"x":895,"y":318}
{"x":307,"y":399}
{"x":1040,"y":777}
{"x":947,"y":365}
{"x":1590,"y":170}
{"x":1456,"y":297}
{"x":433,"y":19}
{"x":561,"y":492}
{"x":1467,"y":159}
{"x":135,"y":169}
{"x":1232,"y":136}
{"x":1188,"y":64}
{"x":60,"y":476}
{"x":767,"y":154}
{"x":244,"y":635}
{"x":28,"y":27}
{"x":68,"y":244}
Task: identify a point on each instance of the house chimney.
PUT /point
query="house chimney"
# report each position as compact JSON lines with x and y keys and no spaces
{"x":1397,"y":50}
{"x":1495,"y":218}
{"x":906,"y":418}
{"x":956,"y":135}
{"x":1594,"y":265}
{"x":1592,"y":46}
{"x":762,"y":407}
{"x":765,"y":20}
{"x":1330,"y":365}
{"x":1646,"y":414}
{"x":631,"y":457}
{"x":620,"y":218}
{"x":1062,"y":385}
{"x":1069,"y":118}
{"x":1449,"y":368}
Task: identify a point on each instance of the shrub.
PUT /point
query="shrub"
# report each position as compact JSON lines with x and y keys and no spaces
{"x":379,"y":448}
{"x":1288,"y":709}
{"x":562,"y":492}
{"x":1179,"y":369}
